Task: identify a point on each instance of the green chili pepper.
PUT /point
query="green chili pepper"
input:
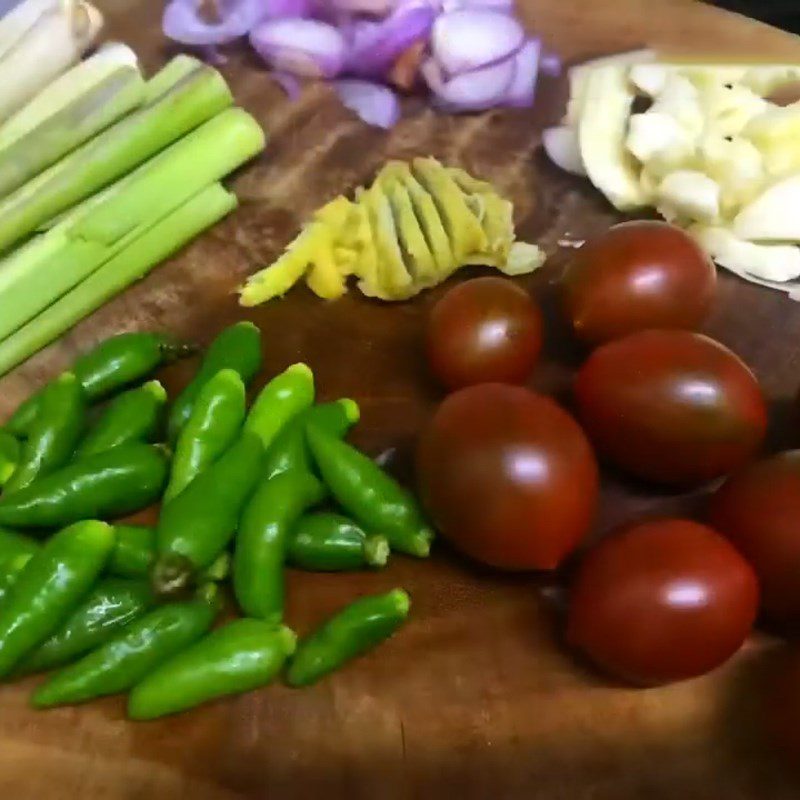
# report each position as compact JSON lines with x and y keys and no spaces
{"x":366,"y":492}
{"x":133,"y":653}
{"x":261,"y":541}
{"x":134,"y":552}
{"x":9,"y":572}
{"x":239,"y":657}
{"x":110,"y":484}
{"x":133,"y":416}
{"x":238,"y":348}
{"x":115,"y":363}
{"x":107,"y":609}
{"x":328,"y":542}
{"x":214,"y":423}
{"x":54,"y":433}
{"x":282,"y":399}
{"x":132,"y":556}
{"x":10,"y":453}
{"x":49,"y":587}
{"x":198,"y":524}
{"x":290,"y":451}
{"x":13,"y":544}
{"x":356,"y":629}
{"x":219,"y":569}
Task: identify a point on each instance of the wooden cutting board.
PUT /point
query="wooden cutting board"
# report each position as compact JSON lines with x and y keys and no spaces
{"x":475,"y":698}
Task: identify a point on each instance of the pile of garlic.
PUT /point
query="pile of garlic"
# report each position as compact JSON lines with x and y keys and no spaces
{"x":710,"y":152}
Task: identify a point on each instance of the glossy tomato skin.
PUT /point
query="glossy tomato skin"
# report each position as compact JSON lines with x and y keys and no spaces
{"x":637,"y":275}
{"x":508,"y":477}
{"x":672,"y":407}
{"x":758,"y":510}
{"x":661,"y":601}
{"x":484,"y":330}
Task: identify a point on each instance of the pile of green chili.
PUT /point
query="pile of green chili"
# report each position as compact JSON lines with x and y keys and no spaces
{"x":244,"y":493}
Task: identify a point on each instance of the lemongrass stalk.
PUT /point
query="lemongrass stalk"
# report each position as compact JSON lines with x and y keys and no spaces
{"x":43,"y":270}
{"x":81,"y":103}
{"x":113,"y":153}
{"x":69,"y":87}
{"x":133,"y":263}
{"x":20,"y":19}
{"x":57,"y":41}
{"x":171,"y":73}
{"x":208,"y":153}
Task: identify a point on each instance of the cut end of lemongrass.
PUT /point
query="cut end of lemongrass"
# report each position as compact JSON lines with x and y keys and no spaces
{"x":87,"y":22}
{"x":57,"y":40}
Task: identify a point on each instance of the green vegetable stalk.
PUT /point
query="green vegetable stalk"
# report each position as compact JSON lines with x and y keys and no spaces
{"x":41,"y":272}
{"x":131,"y":264}
{"x":114,"y":153}
{"x":77,"y":106}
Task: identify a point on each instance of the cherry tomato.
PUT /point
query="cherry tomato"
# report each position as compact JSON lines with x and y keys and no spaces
{"x":782,"y":716}
{"x":484,"y":330}
{"x":507,"y":476}
{"x":758,"y":509}
{"x":671,"y":406}
{"x":638,"y":275}
{"x":662,"y":601}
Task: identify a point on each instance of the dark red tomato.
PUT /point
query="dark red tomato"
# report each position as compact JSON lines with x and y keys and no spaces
{"x":484,"y":330}
{"x":662,"y":601}
{"x":638,"y":275}
{"x":671,"y":406}
{"x":507,"y":476}
{"x":782,"y":691}
{"x":758,"y":509}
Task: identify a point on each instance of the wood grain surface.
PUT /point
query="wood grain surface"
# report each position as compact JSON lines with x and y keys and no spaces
{"x":475,"y":697}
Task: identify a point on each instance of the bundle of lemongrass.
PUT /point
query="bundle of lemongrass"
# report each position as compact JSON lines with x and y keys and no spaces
{"x":103,"y":174}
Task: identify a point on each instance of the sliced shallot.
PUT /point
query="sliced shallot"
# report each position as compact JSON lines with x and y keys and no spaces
{"x":304,"y":47}
{"x":472,"y":38}
{"x":375,"y":103}
{"x":184,"y":23}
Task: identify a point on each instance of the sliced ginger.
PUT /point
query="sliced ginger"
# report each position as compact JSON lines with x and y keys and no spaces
{"x":415,"y":226}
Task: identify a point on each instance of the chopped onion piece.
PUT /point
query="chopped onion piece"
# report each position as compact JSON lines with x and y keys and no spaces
{"x":503,"y":6}
{"x":470,"y":91}
{"x":183,"y":21}
{"x":376,"y":7}
{"x":472,"y":38}
{"x":374,"y":103}
{"x":278,"y":9}
{"x":523,"y":87}
{"x":375,"y":46}
{"x":303,"y":47}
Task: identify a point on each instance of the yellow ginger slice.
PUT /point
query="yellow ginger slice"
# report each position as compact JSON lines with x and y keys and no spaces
{"x":416,"y":253}
{"x":463,"y":228}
